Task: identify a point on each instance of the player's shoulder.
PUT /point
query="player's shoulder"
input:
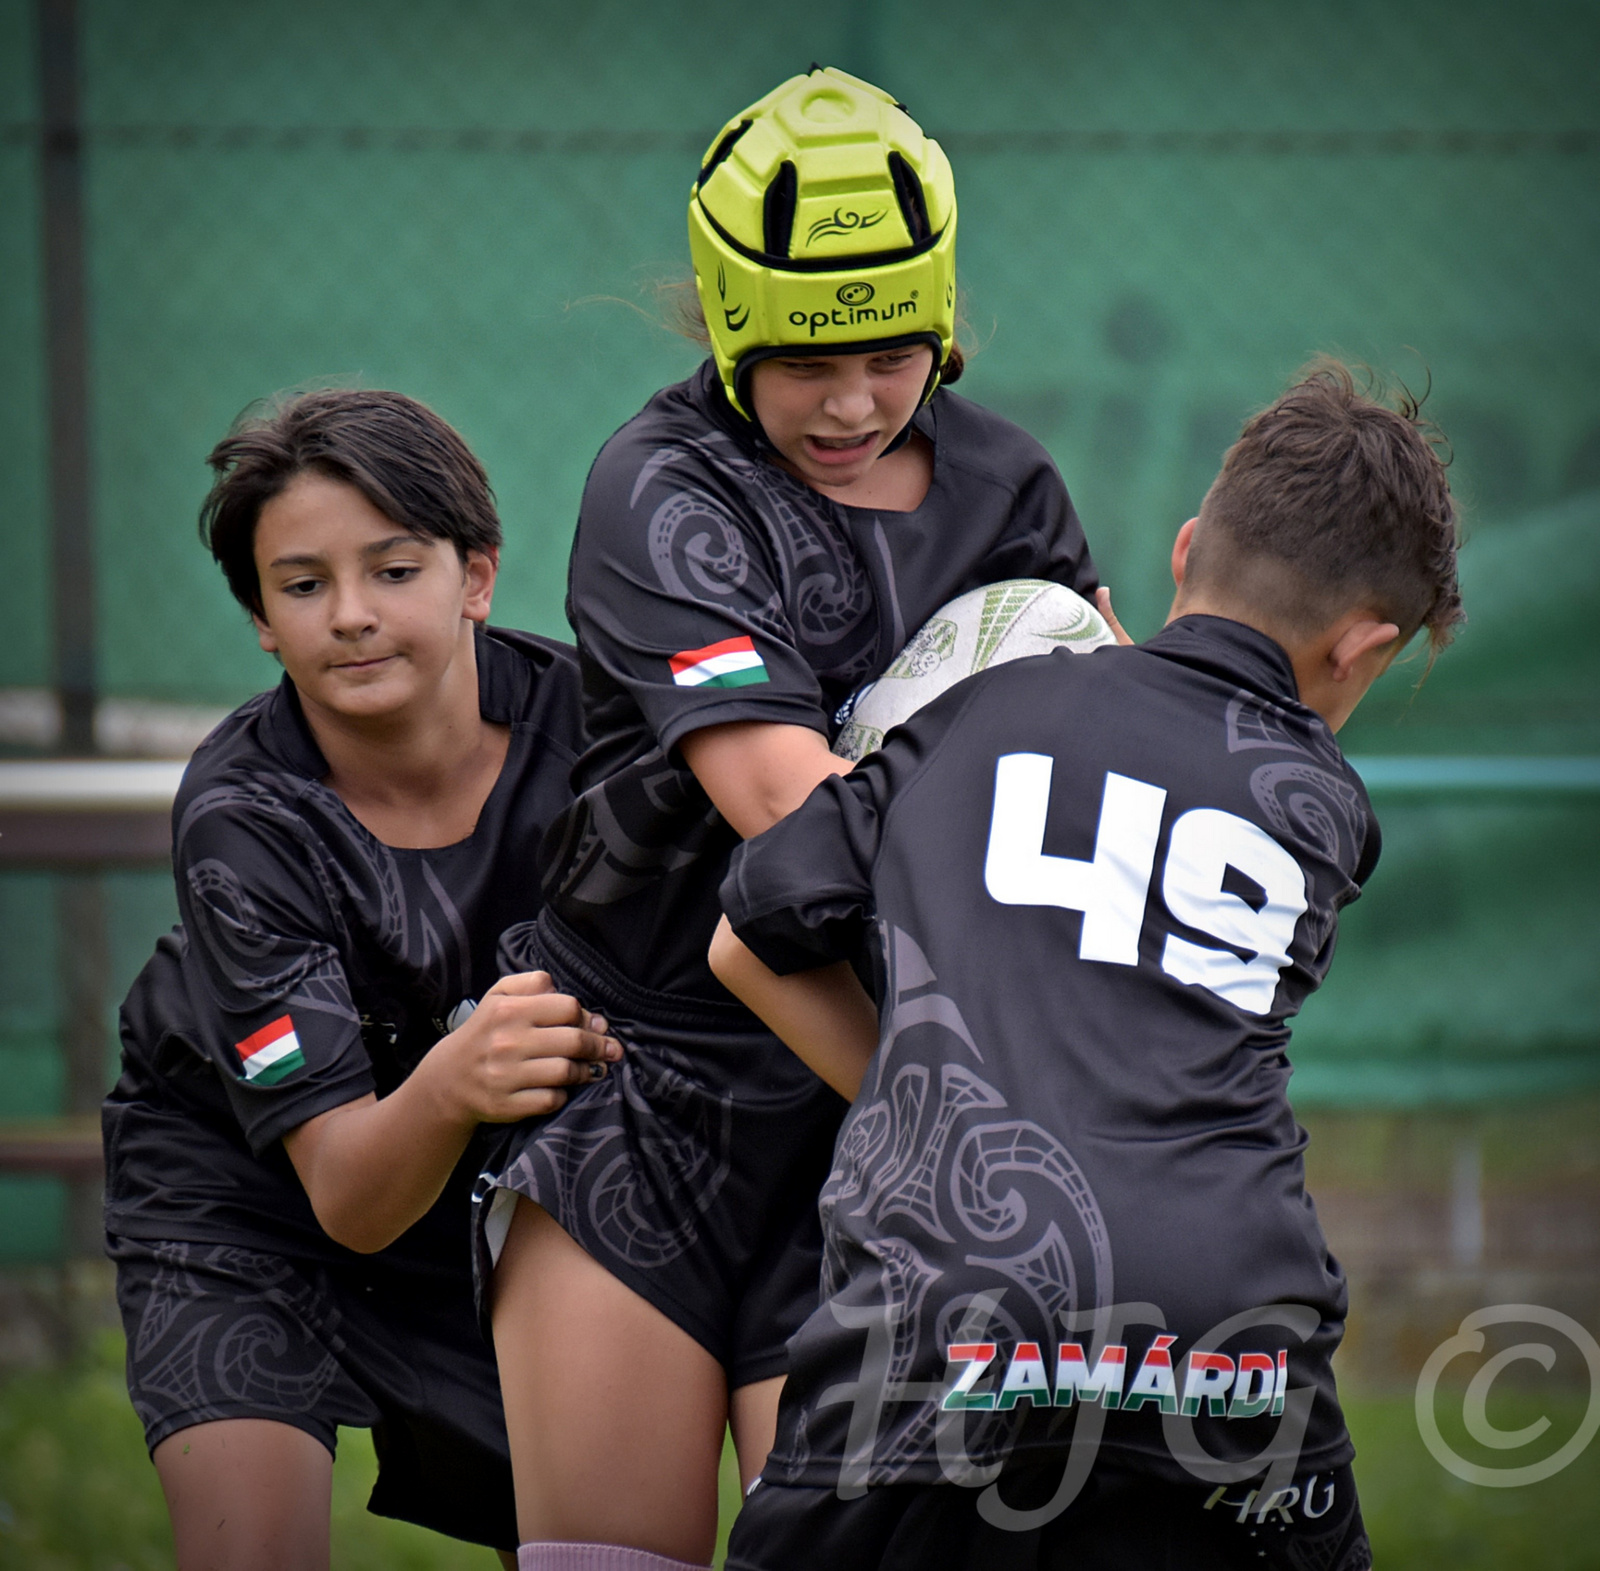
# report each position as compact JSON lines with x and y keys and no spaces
{"x":529,"y":680}
{"x":680,"y":438}
{"x":1232,"y":723}
{"x":263,"y":740}
{"x":976,"y":439}
{"x":248,"y":777}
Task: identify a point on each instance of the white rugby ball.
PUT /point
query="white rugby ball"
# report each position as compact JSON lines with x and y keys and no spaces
{"x":985,"y":627}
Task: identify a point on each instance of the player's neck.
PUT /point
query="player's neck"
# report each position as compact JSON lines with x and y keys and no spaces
{"x":417,"y":777}
{"x":1198,"y":602}
{"x":1333,"y":668}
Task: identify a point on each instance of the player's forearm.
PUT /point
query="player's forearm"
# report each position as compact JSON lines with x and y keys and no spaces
{"x":824,"y":1016}
{"x":372,"y":1168}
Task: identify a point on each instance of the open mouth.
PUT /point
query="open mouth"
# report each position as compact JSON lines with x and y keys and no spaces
{"x":841,"y":449}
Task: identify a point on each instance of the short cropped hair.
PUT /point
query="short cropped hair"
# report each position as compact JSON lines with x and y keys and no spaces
{"x":1348,"y":498}
{"x":412,"y":466}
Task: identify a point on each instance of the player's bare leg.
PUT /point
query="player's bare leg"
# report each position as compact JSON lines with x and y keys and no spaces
{"x":615,"y":1415}
{"x":753,"y":1417}
{"x":247,"y":1494}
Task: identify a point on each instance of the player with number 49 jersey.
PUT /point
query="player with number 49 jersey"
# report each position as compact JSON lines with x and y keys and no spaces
{"x":1092,"y":937}
{"x":1068,"y":1245}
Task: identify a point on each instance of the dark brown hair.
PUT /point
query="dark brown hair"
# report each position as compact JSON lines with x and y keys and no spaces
{"x":1347,"y":498}
{"x":412,"y":466}
{"x":680,"y":305}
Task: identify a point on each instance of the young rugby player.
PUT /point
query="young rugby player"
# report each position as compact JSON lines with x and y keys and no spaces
{"x":292,"y":1144}
{"x":752,"y":547}
{"x":1077,"y":1311}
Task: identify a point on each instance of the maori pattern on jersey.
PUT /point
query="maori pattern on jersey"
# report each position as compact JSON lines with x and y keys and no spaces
{"x":338,"y":882}
{"x":906,"y":1277}
{"x":1253,"y":723}
{"x":642,"y":1200}
{"x":957,"y":1168}
{"x":624,"y":833}
{"x":1316,"y":806}
{"x":915,"y":1196}
{"x":858,"y":1149}
{"x":1308,"y":798}
{"x":692,"y":537}
{"x":381,"y":893}
{"x":960,"y":1440}
{"x":255,"y":960}
{"x":907,"y":1097}
{"x":1046,"y":1273}
{"x":823,"y":598}
{"x":224,"y":1332}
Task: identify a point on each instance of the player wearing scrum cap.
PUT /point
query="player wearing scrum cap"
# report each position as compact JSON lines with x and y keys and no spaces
{"x":753,"y":546}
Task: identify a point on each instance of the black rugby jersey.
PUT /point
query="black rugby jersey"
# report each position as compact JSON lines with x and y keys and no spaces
{"x":315,"y":964}
{"x":1093,"y":889}
{"x":708,"y":585}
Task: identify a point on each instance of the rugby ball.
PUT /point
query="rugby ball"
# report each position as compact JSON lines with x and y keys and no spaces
{"x":985,"y":627}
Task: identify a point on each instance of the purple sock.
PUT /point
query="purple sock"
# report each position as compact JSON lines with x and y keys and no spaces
{"x":595,"y":1557}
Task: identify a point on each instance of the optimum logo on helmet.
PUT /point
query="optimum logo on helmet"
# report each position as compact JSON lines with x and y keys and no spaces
{"x":823,"y":221}
{"x":853,"y":310}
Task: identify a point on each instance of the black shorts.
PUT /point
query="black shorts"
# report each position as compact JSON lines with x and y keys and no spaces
{"x":1123,"y":1520}
{"x":216,"y":1331}
{"x":691,"y":1172}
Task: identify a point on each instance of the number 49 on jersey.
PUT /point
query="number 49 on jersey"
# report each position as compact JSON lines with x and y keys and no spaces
{"x":1111,"y":889}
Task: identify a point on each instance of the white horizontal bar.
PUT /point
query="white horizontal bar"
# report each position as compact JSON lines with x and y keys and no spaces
{"x":126,"y":727}
{"x":85,"y":785}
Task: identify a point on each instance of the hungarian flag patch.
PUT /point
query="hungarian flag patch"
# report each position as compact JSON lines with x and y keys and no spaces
{"x":271,"y":1053}
{"x":731,"y":663}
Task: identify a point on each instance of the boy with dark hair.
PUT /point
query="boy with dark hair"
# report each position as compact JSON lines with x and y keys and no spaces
{"x":1069,"y":1254}
{"x":291,"y":1149}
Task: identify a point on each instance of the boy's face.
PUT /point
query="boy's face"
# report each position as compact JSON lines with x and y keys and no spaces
{"x":831,"y":416}
{"x":367,"y":619}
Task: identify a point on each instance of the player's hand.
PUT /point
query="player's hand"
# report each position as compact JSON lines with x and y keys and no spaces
{"x":520,"y":1048}
{"x":1102,"y":601}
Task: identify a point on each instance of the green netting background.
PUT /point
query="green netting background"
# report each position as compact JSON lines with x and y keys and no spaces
{"x":1165,"y":209}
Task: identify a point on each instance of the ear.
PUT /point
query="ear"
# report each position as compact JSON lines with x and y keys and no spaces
{"x":264,"y":634}
{"x":1353,"y":649}
{"x":478,"y":572}
{"x":1180,"y":552}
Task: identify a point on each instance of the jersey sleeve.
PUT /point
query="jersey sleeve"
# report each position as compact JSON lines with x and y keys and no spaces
{"x":267,"y":987}
{"x":800,"y":895}
{"x":673,"y":594}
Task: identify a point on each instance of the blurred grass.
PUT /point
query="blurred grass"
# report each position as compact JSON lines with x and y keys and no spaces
{"x":77,"y":1492}
{"x":1421,"y":1518}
